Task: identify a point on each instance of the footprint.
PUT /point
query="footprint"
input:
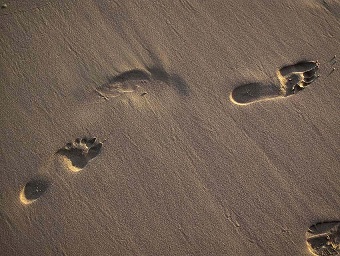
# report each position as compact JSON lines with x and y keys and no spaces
{"x":324,"y":238}
{"x":77,"y":154}
{"x":293,"y":78}
{"x":33,"y":189}
{"x":137,"y":80}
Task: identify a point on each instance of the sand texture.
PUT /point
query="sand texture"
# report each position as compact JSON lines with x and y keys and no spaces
{"x":170,"y":127}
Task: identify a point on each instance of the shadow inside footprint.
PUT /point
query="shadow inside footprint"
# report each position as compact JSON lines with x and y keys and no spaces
{"x":130,"y":75}
{"x":324,"y":238}
{"x":252,"y":92}
{"x":34,"y":189}
{"x":94,"y":151}
{"x":77,"y":154}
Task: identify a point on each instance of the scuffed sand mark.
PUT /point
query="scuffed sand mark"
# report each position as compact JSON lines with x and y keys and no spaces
{"x":76,"y":155}
{"x":126,"y":82}
{"x":324,"y":238}
{"x":137,"y":81}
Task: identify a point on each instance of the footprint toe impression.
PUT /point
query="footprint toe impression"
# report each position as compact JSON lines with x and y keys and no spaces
{"x":324,"y":238}
{"x":76,"y":155}
{"x":34,"y":189}
{"x":306,"y":71}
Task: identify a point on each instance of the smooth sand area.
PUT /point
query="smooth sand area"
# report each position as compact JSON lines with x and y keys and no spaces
{"x":169,"y":127}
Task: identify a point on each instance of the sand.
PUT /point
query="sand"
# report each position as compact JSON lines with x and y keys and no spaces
{"x":170,"y":127}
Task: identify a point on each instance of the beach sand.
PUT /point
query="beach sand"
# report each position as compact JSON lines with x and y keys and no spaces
{"x":170,"y":127}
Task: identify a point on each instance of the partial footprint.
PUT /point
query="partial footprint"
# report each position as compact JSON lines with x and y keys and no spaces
{"x":248,"y":93}
{"x":296,"y":77}
{"x":324,"y":238}
{"x":34,"y":189}
{"x":293,"y":78}
{"x":126,"y":82}
{"x":137,"y":80}
{"x":77,"y":154}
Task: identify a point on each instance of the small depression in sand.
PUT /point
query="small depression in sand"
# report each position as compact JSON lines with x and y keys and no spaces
{"x":34,"y":189}
{"x":77,"y":154}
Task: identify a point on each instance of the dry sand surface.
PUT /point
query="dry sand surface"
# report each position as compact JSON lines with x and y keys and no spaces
{"x":170,"y":127}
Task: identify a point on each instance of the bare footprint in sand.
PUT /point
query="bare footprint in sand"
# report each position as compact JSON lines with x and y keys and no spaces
{"x":76,"y":155}
{"x":33,"y":189}
{"x":137,"y":81}
{"x":324,"y":238}
{"x":293,"y":78}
